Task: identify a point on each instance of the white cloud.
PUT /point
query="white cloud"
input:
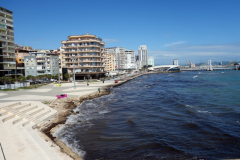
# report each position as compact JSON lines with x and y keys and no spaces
{"x":110,"y":40}
{"x":175,"y":43}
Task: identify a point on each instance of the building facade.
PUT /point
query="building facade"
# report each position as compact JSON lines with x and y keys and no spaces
{"x":7,"y":56}
{"x":175,"y":62}
{"x":129,"y":59}
{"x":151,"y":61}
{"x":109,"y":60}
{"x":38,"y":63}
{"x":143,"y":56}
{"x":19,"y":55}
{"x":84,"y":53}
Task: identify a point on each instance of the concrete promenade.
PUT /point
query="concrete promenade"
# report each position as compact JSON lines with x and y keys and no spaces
{"x":49,"y":92}
{"x":22,"y":113}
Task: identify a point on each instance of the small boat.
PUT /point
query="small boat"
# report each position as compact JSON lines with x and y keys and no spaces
{"x":195,"y":76}
{"x":61,"y":96}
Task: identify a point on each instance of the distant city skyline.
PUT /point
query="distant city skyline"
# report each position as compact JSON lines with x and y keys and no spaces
{"x":199,"y":30}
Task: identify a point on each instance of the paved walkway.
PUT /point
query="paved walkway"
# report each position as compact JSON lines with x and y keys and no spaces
{"x":21,"y":111}
{"x":49,"y":92}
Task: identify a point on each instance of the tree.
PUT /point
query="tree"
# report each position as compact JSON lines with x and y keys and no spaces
{"x":29,"y":77}
{"x":21,"y":79}
{"x":3,"y":80}
{"x":66,"y":76}
{"x":49,"y":76}
{"x":13,"y":80}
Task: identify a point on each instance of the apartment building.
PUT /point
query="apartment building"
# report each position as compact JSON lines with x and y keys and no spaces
{"x":109,"y":60}
{"x":19,"y":55}
{"x":130,"y":59}
{"x":84,"y":53}
{"x":7,"y":56}
{"x":143,"y":56}
{"x":39,"y":63}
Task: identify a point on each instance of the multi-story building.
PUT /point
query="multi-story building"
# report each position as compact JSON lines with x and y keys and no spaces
{"x":130,"y":59}
{"x":119,"y":53}
{"x":109,"y":60}
{"x":85,"y":54}
{"x":38,"y":63}
{"x":19,"y":55}
{"x":151,"y":61}
{"x":192,"y":65}
{"x":143,"y":56}
{"x":175,"y":62}
{"x":7,"y":57}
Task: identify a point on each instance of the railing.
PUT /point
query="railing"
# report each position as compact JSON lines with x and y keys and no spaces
{"x":2,"y":151}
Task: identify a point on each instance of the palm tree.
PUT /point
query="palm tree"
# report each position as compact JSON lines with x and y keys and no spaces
{"x":9,"y":81}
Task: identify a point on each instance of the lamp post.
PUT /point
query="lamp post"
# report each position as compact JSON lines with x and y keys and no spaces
{"x":73,"y":58}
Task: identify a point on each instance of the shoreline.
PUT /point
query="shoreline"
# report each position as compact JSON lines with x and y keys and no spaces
{"x":65,"y":108}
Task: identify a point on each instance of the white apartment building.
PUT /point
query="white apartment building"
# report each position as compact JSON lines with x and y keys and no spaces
{"x":175,"y":62}
{"x":143,"y":56}
{"x":130,"y":59}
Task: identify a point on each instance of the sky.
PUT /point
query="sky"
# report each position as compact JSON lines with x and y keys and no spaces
{"x":195,"y":30}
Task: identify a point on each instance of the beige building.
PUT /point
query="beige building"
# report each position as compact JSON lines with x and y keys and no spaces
{"x":109,"y":61}
{"x":7,"y":56}
{"x":87,"y":50}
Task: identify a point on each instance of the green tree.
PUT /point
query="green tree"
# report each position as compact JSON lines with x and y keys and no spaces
{"x":3,"y":80}
{"x":66,"y":76}
{"x":13,"y":80}
{"x":21,"y":79}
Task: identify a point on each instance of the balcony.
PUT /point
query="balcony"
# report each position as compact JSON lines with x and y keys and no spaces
{"x":9,"y":24}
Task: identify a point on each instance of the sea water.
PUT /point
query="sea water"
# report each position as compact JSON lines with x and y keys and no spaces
{"x":185,"y":115}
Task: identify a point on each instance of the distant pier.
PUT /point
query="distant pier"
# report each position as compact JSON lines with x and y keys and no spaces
{"x":205,"y":69}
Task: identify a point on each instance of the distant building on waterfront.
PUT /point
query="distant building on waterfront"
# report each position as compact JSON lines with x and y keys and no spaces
{"x":109,"y":60}
{"x":7,"y":56}
{"x":87,"y":50}
{"x":124,"y":58}
{"x":192,"y":65}
{"x":143,"y":56}
{"x":129,"y":59}
{"x":39,"y":63}
{"x":175,"y":62}
{"x":151,"y":61}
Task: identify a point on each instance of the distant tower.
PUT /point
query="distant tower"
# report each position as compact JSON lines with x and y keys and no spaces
{"x":143,"y":56}
{"x":209,"y":67}
{"x":175,"y":62}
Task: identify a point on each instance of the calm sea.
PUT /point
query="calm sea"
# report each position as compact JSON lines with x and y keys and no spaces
{"x":185,"y":115}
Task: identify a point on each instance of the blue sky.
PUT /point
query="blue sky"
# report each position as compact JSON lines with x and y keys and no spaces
{"x":172,"y":29}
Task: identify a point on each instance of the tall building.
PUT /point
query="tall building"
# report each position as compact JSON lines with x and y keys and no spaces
{"x":175,"y":62}
{"x":143,"y":56}
{"x":151,"y":61}
{"x":109,"y":61}
{"x":119,"y":53}
{"x":7,"y":56}
{"x":129,"y":59}
{"x":38,"y":63}
{"x":87,"y":51}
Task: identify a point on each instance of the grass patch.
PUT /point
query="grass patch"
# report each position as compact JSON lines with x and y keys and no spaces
{"x":8,"y":89}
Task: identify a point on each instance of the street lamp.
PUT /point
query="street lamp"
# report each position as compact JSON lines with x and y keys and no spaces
{"x":73,"y":58}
